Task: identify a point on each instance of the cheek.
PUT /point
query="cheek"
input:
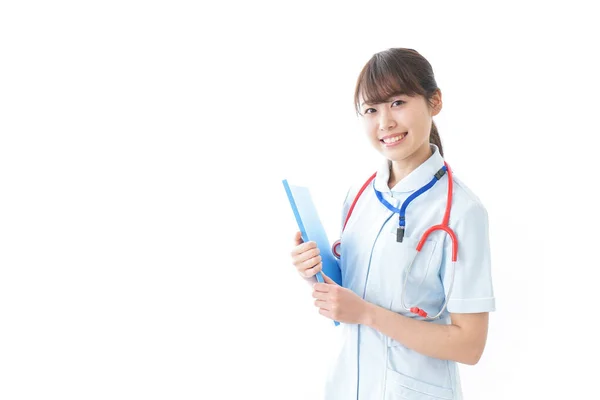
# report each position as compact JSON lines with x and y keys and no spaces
{"x":417,"y":123}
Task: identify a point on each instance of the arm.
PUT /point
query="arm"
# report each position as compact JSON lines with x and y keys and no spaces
{"x":462,"y":341}
{"x":465,"y":338}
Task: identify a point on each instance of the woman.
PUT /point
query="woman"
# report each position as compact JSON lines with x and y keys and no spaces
{"x":395,"y":346}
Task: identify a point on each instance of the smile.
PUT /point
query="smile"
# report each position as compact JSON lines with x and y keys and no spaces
{"x":393,"y":139}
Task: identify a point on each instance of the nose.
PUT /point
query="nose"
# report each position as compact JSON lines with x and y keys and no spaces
{"x":386,"y":122}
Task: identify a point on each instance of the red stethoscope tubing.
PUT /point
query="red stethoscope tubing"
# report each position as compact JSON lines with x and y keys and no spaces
{"x":444,"y":226}
{"x":337,"y":243}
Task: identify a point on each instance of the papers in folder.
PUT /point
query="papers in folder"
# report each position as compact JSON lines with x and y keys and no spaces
{"x":312,"y":229}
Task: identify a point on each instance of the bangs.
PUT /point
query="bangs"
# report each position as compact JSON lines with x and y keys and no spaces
{"x":382,"y":78}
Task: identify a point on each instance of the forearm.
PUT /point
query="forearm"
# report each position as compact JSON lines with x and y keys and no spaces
{"x":447,"y":342}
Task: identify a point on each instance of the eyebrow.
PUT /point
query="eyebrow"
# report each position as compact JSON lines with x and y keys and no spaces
{"x":387,"y":100}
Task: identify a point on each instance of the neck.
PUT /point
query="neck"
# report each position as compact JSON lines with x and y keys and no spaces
{"x":402,"y":168}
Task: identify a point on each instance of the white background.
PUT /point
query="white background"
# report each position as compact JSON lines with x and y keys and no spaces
{"x":144,"y":230}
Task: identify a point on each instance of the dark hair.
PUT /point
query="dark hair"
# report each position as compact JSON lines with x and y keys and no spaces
{"x":394,"y":71}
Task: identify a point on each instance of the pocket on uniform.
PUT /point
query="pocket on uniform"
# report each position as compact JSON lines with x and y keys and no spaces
{"x":401,"y":387}
{"x":422,"y":261}
{"x":422,"y":278}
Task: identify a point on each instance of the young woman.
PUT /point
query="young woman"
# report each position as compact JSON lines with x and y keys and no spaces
{"x":414,"y":302}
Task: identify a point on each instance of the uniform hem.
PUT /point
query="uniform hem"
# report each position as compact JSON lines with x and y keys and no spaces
{"x":472,"y":305}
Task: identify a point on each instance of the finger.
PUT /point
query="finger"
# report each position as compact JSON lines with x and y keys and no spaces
{"x":320,"y":295}
{"x":322,"y":304}
{"x":306,"y":260}
{"x":322,"y":287}
{"x":326,"y":313}
{"x":298,"y":238}
{"x":304,"y":247}
{"x":310,"y":266}
{"x":328,"y":279}
{"x":310,"y":272}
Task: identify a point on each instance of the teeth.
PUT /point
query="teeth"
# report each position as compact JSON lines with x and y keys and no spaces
{"x":393,"y":139}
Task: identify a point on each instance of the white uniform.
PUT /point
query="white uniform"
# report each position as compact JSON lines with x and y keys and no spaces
{"x":371,"y":365}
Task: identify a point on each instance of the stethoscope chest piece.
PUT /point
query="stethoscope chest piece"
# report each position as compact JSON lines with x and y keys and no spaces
{"x":335,"y":249}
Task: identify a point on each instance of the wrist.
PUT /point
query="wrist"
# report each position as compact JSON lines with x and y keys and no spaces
{"x":368,"y":315}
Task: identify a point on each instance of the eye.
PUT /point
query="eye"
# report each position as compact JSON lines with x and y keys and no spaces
{"x":399,"y":102}
{"x":368,"y":111}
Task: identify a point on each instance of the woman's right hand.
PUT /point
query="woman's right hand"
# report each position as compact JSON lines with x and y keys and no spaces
{"x":305,"y":257}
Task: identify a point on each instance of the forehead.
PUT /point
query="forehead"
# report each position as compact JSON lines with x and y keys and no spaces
{"x":380,"y":90}
{"x":362,"y":101}
{"x":380,"y":81}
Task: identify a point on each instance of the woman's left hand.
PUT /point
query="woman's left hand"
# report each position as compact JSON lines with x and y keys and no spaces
{"x":339,"y":303}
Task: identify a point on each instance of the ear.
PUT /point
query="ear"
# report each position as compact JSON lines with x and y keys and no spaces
{"x":436,"y":102}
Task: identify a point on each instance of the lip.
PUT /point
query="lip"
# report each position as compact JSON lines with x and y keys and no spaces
{"x":393,"y":135}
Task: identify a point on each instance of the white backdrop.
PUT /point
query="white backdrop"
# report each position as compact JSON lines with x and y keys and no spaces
{"x":144,"y":229}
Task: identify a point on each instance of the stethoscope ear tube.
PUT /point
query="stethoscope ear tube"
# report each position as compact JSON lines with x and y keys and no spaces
{"x":446,"y":229}
{"x":335,"y":248}
{"x":419,"y":311}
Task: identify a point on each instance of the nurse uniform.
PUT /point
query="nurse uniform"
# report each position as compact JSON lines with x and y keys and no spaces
{"x":371,"y":365}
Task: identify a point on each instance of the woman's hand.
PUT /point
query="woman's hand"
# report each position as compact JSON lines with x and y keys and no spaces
{"x":339,"y":303}
{"x":305,"y":257}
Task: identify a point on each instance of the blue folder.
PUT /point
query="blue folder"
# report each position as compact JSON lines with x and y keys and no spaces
{"x":312,"y":229}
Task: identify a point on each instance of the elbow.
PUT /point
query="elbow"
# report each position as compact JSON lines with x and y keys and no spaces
{"x":472,"y":360}
{"x":472,"y":356}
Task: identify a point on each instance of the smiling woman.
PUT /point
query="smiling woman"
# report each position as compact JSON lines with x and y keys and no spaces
{"x":391,"y":350}
{"x":397,"y":95}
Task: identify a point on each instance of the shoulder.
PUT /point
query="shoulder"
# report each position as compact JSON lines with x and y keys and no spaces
{"x":466,"y":204}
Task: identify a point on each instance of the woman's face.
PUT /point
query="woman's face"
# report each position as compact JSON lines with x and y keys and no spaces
{"x":399,"y":128}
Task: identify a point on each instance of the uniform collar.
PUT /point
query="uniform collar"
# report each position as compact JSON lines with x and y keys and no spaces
{"x":413,"y":181}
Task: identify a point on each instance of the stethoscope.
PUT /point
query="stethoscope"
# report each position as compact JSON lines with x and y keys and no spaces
{"x":401,"y":228}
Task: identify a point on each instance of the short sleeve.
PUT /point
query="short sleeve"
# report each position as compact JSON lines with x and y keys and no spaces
{"x":472,"y":291}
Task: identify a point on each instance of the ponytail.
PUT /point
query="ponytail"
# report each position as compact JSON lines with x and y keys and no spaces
{"x":434,"y":137}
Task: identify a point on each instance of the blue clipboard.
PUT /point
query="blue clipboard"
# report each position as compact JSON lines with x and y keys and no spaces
{"x":312,"y":229}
